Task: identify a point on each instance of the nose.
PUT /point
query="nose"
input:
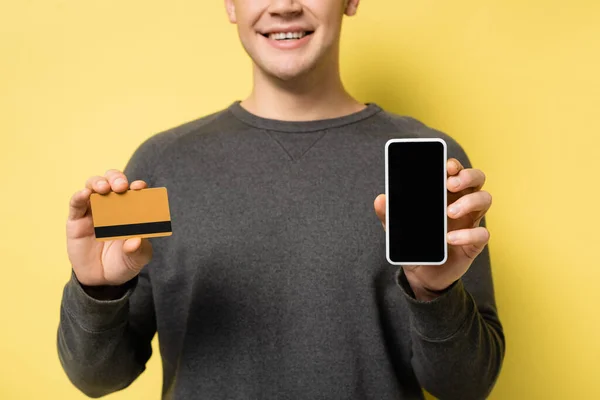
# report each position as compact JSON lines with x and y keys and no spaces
{"x":285,"y":8}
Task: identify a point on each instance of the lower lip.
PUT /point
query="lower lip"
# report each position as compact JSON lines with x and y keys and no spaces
{"x":288,"y":44}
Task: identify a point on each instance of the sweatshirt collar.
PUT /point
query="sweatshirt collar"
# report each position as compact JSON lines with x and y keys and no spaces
{"x":300,"y":126}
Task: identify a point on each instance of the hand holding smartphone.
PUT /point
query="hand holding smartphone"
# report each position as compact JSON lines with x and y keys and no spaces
{"x":416,"y":201}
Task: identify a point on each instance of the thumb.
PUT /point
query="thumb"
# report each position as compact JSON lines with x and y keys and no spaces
{"x":138,"y":250}
{"x":379,"y":205}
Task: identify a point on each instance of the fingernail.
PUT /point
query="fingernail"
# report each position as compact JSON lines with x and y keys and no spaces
{"x":454,"y":181}
{"x":119,"y":181}
{"x":101,"y":183}
{"x":454,"y":209}
{"x":452,"y":237}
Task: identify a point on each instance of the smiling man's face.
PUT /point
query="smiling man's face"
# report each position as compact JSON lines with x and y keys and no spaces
{"x":289,"y":38}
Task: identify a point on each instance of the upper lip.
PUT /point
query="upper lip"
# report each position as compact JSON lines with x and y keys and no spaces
{"x":284,"y":29}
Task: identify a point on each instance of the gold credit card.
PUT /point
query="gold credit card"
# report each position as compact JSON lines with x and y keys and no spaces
{"x":134,"y":213}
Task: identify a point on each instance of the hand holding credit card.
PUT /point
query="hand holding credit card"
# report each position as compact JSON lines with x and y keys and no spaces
{"x":109,"y":223}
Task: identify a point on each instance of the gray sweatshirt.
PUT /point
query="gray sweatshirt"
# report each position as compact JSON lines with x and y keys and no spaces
{"x":275,"y":284}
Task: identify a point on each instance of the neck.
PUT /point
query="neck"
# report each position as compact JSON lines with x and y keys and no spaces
{"x":318,"y":94}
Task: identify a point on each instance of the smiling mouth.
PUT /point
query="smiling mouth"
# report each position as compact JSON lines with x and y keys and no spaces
{"x":285,"y":36}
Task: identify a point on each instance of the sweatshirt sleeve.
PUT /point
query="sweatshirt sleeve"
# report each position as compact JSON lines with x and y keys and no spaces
{"x":103,"y":345}
{"x":457,"y":339}
{"x":458,"y":342}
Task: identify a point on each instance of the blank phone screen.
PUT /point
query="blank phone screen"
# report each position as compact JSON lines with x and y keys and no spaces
{"x":416,"y":196}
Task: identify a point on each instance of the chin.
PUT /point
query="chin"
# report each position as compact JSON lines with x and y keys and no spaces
{"x":286,"y":75}
{"x":287,"y":72}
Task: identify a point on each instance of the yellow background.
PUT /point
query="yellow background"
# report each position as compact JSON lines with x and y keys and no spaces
{"x":516,"y":82}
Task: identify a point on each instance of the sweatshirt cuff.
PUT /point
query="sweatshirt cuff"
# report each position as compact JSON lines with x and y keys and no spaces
{"x":441,"y":318}
{"x":92,"y":314}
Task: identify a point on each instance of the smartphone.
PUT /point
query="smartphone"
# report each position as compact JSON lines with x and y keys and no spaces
{"x":415,"y":189}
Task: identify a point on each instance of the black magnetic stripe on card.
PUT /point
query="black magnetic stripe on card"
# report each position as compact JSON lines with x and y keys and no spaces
{"x":133,"y":229}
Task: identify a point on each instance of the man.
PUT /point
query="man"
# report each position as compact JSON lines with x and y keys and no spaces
{"x":274,"y":284}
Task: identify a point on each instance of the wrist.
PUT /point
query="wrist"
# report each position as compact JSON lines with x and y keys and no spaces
{"x":423,"y":293}
{"x":106,"y":292}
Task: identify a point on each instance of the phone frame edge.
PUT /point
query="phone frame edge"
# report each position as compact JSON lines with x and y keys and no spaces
{"x":445,"y":179}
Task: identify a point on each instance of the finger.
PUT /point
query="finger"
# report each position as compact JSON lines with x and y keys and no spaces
{"x":139,"y":251}
{"x":98,"y":184}
{"x":117,"y":179}
{"x":479,"y":202}
{"x":78,"y":205}
{"x":453,"y":166}
{"x":139,"y":184}
{"x":379,"y":205}
{"x":132,"y":245}
{"x":477,"y":237}
{"x":466,"y":178}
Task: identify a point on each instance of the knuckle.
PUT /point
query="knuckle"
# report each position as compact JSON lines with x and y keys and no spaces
{"x":117,"y":176}
{"x":487,"y":197}
{"x":466,"y":203}
{"x":114,"y":178}
{"x":93,"y":180}
{"x":114,"y":174}
{"x":465,"y":177}
{"x":484,"y":234}
{"x":111,"y":171}
{"x":76,"y":195}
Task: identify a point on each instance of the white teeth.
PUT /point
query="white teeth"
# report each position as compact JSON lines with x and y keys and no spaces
{"x":287,"y":35}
